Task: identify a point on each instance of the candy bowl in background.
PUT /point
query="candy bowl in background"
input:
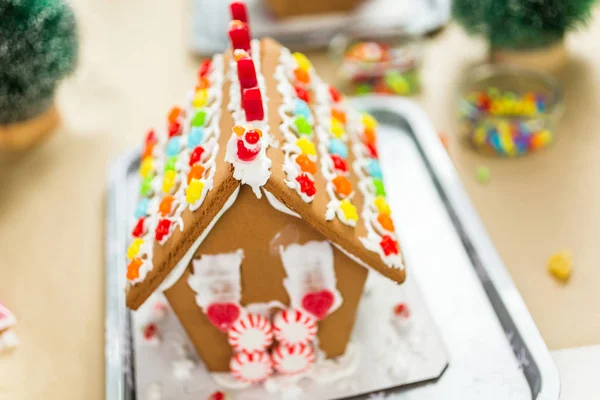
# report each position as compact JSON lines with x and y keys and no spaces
{"x":508,"y":111}
{"x":387,"y":65}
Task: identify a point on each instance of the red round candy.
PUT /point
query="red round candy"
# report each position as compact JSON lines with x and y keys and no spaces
{"x":302,"y":93}
{"x":204,"y":68}
{"x":335,"y":94}
{"x":196,"y":155}
{"x":372,"y":150}
{"x":307,"y":186}
{"x":138,"y":230}
{"x":244,"y":153}
{"x":339,"y":163}
{"x":252,"y":137}
{"x":174,"y":129}
{"x":162,"y":229}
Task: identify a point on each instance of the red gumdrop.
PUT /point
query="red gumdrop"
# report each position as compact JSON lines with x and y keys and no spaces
{"x":150,"y":331}
{"x":151,"y":137}
{"x":138,"y":230}
{"x":389,"y":245}
{"x":307,"y":185}
{"x":204,"y":68}
{"x":335,"y":94}
{"x":302,"y":93}
{"x":253,"y":106}
{"x":174,"y":129}
{"x":162,"y":229}
{"x":245,"y":154}
{"x":339,"y":163}
{"x":238,"y":11}
{"x":196,"y":155}
{"x":372,"y":150}
{"x":252,"y":136}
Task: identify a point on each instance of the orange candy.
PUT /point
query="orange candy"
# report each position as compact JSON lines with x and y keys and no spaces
{"x":370,"y":136}
{"x":165,"y":205}
{"x":343,"y":186}
{"x":148,"y":150}
{"x":386,"y":222}
{"x":301,"y":75}
{"x":196,"y":172}
{"x":203,"y":83}
{"x":306,"y":164}
{"x":339,"y":115}
{"x":133,"y":269}
{"x":174,"y":114}
{"x":239,"y":130}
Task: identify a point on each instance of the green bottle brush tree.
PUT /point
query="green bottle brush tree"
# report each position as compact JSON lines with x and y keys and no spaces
{"x":529,"y":28}
{"x":38,"y":48}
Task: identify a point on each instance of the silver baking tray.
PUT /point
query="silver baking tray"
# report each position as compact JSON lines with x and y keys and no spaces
{"x":494,"y":347}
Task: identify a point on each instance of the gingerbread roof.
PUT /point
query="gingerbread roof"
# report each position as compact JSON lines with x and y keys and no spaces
{"x":264,"y":118}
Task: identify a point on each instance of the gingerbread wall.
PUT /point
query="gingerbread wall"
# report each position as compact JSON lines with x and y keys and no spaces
{"x":256,"y":227}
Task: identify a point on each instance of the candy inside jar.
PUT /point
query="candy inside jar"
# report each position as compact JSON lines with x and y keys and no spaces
{"x":508,"y":112}
{"x":388,"y":65}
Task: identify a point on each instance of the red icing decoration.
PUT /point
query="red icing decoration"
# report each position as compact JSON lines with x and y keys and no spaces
{"x":252,"y":137}
{"x":174,"y":129}
{"x":389,"y":245}
{"x":372,"y":150}
{"x":302,"y":93}
{"x":339,"y":163}
{"x":318,"y":303}
{"x":246,"y":73}
{"x":253,"y":106}
{"x":245,"y":154}
{"x":138,"y":230}
{"x":401,"y":309}
{"x":223,"y":315}
{"x":150,"y":331}
{"x":307,"y":186}
{"x":335,"y":94}
{"x":217,"y":396}
{"x":162,"y":229}
{"x":204,"y":68}
{"x":239,"y":11}
{"x":239,"y":35}
{"x":151,"y":137}
{"x":196,"y":155}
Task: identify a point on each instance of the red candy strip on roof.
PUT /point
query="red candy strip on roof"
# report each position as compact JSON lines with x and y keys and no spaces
{"x":252,"y":104}
{"x":239,"y":35}
{"x":239,"y":11}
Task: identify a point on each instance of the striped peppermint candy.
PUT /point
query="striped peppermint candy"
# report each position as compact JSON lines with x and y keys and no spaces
{"x":251,"y":367}
{"x":291,"y":360}
{"x":292,"y":327}
{"x":252,"y":332}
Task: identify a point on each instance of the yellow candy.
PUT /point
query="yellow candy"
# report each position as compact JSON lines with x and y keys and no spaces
{"x":507,"y":142}
{"x":200,"y":98}
{"x":349,"y":210}
{"x":194,"y":191}
{"x":134,"y":248}
{"x":337,"y":128}
{"x":368,"y":121}
{"x":560,"y":265}
{"x":302,"y":61}
{"x":480,"y":135}
{"x":541,"y":139}
{"x":306,"y":146}
{"x":146,"y":167}
{"x":382,"y":205}
{"x":169,"y":181}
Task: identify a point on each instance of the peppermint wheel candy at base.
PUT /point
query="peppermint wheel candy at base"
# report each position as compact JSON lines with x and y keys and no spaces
{"x":293,"y":327}
{"x":252,"y":332}
{"x":291,"y":360}
{"x":251,"y":367}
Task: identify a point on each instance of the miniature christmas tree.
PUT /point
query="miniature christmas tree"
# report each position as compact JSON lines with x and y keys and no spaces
{"x":38,"y":47}
{"x":521,"y":24}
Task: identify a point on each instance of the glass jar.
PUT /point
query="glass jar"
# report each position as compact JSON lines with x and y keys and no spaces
{"x":509,"y":111}
{"x":382,"y":64}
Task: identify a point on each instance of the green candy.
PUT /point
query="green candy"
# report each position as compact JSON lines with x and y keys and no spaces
{"x":482,"y":174}
{"x":379,"y":188}
{"x":146,"y":187}
{"x":199,"y":119}
{"x":302,"y":125}
{"x":170,"y":165}
{"x":363,"y":88}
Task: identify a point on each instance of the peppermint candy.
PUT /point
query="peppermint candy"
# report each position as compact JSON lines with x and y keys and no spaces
{"x":294,"y":327}
{"x":250,"y":333}
{"x":251,"y":367}
{"x":291,"y":360}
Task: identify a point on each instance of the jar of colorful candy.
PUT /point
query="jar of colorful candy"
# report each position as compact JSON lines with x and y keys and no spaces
{"x":388,"y":65}
{"x":508,"y":111}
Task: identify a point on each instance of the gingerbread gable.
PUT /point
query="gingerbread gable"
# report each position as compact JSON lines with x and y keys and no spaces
{"x":263,"y":118}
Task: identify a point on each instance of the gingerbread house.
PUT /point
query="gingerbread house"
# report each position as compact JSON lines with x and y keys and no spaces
{"x":262,"y":208}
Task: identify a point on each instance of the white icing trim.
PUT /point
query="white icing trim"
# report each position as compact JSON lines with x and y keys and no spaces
{"x":182,"y":265}
{"x":278,"y":205}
